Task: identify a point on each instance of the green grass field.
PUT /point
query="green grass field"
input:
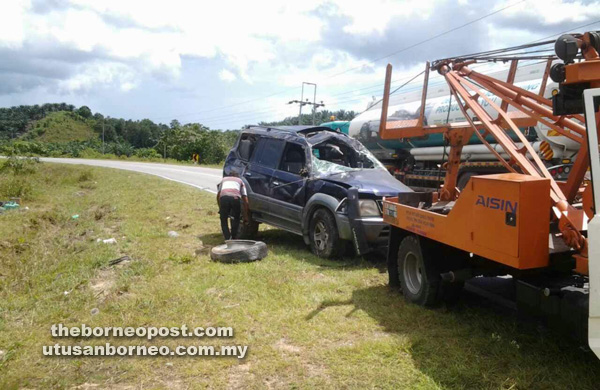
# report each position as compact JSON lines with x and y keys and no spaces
{"x":308,"y":322}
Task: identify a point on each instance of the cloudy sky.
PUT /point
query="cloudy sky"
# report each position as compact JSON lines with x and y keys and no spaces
{"x":230,"y":63}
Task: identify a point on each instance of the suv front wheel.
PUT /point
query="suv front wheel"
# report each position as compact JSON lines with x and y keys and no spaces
{"x":323,"y":235}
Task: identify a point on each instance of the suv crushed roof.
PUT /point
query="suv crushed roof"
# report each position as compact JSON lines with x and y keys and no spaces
{"x":293,"y":129}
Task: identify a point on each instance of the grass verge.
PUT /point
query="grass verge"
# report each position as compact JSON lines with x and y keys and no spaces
{"x":308,"y":322}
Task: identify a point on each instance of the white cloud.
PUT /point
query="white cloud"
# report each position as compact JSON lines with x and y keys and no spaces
{"x":12,"y":23}
{"x":375,"y":15}
{"x":551,"y":11}
{"x":227,"y":75}
{"x":100,"y":74}
{"x":126,"y":45}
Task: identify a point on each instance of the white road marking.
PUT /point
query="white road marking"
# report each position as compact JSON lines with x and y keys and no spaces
{"x":205,"y":179}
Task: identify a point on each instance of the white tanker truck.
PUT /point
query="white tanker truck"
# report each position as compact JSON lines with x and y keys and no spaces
{"x":416,"y":161}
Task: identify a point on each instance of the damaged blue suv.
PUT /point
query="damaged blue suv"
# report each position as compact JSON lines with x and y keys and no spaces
{"x":314,"y":182}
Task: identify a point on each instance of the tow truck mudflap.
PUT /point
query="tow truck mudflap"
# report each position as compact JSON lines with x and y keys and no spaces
{"x":590,"y":96}
{"x":359,"y":237}
{"x":594,"y":270}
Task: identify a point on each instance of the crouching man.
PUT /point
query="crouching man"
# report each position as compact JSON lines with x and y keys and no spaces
{"x":231,"y":197}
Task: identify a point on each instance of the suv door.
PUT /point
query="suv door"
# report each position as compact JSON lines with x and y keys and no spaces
{"x":240,"y":155}
{"x":259,"y":171}
{"x":288,"y":193}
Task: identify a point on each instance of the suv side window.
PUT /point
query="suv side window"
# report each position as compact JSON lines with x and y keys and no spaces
{"x":294,"y":159}
{"x":269,"y":152}
{"x":246,"y":146}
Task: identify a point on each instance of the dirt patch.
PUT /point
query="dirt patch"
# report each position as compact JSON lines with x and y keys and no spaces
{"x":103,"y":283}
{"x":101,"y":211}
{"x":286,"y":347}
{"x":294,"y":352}
{"x":202,"y":249}
{"x":166,"y":384}
{"x":239,"y":376}
{"x":94,"y":386}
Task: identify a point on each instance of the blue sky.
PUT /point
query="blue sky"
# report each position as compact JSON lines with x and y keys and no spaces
{"x":226,"y":64}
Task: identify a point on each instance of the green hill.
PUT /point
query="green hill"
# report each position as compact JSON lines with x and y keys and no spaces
{"x":61,"y":126}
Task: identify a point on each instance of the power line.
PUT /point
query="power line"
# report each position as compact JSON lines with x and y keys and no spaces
{"x":254,"y":113}
{"x":415,"y":87}
{"x":235,"y":118}
{"x":369,"y":62}
{"x":354,"y":98}
{"x":435,"y":36}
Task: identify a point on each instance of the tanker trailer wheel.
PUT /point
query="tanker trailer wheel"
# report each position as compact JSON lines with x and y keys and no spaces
{"x":420,"y":283}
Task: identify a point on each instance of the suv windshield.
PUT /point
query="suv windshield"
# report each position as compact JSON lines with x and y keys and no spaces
{"x":336,"y":156}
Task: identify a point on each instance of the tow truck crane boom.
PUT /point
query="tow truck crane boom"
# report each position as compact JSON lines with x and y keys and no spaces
{"x":514,"y":222}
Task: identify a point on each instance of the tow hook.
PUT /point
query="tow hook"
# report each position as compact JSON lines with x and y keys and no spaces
{"x":460,"y":275}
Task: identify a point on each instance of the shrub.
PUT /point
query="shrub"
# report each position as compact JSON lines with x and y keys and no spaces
{"x":146,"y":153}
{"x":15,"y":186}
{"x":86,"y":175}
{"x":90,"y":153}
{"x":19,"y":165}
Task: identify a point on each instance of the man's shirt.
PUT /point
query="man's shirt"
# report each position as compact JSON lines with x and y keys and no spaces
{"x":232,"y":186}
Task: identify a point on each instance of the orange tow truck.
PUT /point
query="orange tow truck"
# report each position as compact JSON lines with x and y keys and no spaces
{"x":522,"y":223}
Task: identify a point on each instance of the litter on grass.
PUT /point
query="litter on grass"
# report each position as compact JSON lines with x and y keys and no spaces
{"x":119,"y":260}
{"x":107,"y":241}
{"x":10,"y":205}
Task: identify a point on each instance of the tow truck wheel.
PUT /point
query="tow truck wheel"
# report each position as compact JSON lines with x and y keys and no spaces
{"x":419,"y":284}
{"x":323,"y":234}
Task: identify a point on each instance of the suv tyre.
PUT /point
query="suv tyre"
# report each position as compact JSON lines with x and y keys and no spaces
{"x":247,"y":229}
{"x":323,"y":235}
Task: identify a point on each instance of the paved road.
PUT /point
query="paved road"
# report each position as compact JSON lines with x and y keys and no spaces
{"x":203,"y":178}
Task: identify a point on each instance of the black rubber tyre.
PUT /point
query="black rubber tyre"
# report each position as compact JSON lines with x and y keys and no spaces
{"x":248,"y":230}
{"x":418,"y":277}
{"x":239,"y":251}
{"x":323,"y":235}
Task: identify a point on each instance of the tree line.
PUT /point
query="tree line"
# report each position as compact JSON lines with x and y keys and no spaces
{"x":125,"y":137}
{"x":319,"y":117}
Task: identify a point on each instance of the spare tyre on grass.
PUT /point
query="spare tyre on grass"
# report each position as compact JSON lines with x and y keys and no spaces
{"x":239,"y":251}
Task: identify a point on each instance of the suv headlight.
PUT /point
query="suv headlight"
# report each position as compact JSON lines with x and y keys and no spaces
{"x":368,"y":208}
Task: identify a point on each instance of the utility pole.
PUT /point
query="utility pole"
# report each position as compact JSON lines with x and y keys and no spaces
{"x":302,"y":102}
{"x":315,"y":106}
{"x":103,"y":121}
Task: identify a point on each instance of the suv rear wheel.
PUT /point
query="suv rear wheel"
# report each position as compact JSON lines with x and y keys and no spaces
{"x":247,"y":230}
{"x":323,"y":235}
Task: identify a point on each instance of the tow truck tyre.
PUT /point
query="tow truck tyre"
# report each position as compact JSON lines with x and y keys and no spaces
{"x":419,"y":284}
{"x":323,"y":235}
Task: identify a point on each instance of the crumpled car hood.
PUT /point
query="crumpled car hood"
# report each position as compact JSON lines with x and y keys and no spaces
{"x":371,"y":181}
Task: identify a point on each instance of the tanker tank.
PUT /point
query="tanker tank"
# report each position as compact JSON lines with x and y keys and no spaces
{"x":406,"y":105}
